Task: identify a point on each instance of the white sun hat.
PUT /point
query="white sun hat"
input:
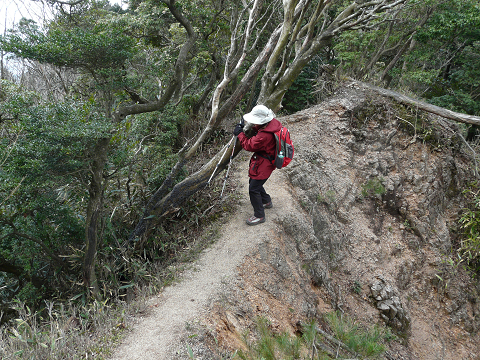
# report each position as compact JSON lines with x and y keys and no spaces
{"x":259,"y":115}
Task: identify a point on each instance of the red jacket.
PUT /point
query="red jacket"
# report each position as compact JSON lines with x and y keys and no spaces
{"x":263,"y":143}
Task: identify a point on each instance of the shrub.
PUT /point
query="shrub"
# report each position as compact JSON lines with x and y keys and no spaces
{"x":373,"y":187}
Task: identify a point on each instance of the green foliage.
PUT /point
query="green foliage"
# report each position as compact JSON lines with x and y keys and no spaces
{"x":442,"y":64}
{"x":160,"y":38}
{"x":328,"y":197}
{"x":357,"y":287}
{"x":450,"y":43}
{"x":271,"y":346}
{"x":301,"y":94}
{"x":284,"y":346}
{"x":89,"y":43}
{"x":92,"y":46}
{"x":373,"y":187}
{"x":48,"y":151}
{"x":354,"y":48}
{"x":469,"y":247}
{"x":367,"y":342}
{"x":159,"y":134}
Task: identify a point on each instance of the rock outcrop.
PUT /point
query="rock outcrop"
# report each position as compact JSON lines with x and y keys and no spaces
{"x":390,"y":306}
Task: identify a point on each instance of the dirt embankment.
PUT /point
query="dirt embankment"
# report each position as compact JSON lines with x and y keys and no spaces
{"x":362,"y":221}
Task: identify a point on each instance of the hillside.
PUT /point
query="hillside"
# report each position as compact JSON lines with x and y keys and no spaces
{"x":362,"y":222}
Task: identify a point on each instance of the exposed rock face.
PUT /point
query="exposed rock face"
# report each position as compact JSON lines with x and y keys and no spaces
{"x":390,"y":306}
{"x":380,"y":190}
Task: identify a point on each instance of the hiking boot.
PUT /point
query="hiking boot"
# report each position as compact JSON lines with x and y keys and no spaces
{"x":254,"y":220}
{"x":268,"y":205}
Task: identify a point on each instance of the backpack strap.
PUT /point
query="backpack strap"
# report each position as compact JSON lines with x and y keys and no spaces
{"x":265,"y":156}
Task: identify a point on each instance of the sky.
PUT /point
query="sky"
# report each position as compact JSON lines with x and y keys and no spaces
{"x":11,"y":11}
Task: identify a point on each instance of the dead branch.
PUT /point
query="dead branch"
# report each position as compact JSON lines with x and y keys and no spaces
{"x":448,"y":114}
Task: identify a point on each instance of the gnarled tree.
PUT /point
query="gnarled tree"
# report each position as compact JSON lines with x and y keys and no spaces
{"x":305,"y":28}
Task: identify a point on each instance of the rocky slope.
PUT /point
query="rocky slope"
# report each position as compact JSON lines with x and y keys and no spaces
{"x":379,"y":192}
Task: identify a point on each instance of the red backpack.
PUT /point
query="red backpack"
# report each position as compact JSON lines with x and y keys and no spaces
{"x":283,"y":149}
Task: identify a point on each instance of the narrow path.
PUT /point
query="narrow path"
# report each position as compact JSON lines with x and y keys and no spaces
{"x":157,"y":335}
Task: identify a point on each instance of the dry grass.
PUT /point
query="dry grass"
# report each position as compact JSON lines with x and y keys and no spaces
{"x":71,"y":332}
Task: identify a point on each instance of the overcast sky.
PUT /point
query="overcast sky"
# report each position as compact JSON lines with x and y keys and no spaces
{"x":11,"y":11}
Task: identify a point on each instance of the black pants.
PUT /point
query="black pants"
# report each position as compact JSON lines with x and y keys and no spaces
{"x":258,"y":197}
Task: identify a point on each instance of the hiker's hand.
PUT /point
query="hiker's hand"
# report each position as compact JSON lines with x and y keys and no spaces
{"x":238,"y":129}
{"x":242,"y":122}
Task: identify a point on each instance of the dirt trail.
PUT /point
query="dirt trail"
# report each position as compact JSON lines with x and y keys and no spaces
{"x":157,"y":336}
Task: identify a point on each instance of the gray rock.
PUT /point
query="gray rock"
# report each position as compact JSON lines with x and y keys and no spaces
{"x":383,"y":306}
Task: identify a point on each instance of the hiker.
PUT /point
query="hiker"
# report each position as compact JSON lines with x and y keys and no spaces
{"x":262,"y":144}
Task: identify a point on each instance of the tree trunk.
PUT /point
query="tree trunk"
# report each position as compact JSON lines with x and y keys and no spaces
{"x":448,"y":114}
{"x":379,"y":52}
{"x":94,"y":211}
{"x":397,"y":57}
{"x":170,"y":201}
{"x":273,"y":98}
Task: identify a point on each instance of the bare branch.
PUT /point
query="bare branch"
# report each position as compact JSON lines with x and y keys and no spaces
{"x":449,"y":114}
{"x":42,"y":245}
{"x":381,"y":48}
{"x":227,"y":77}
{"x":184,"y":89}
{"x":475,"y":169}
{"x":162,"y":201}
{"x":69,"y":3}
{"x":16,"y":233}
{"x":19,"y":272}
{"x":313,"y":20}
{"x":276,"y":83}
{"x":262,"y":30}
{"x":407,"y":43}
{"x":176,"y":80}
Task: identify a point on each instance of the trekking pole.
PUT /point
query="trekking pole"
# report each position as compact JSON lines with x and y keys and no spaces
{"x":242,"y":122}
{"x":229,"y":163}
{"x":219,"y":161}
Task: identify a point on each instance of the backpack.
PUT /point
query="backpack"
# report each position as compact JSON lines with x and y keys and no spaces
{"x":283,"y":149}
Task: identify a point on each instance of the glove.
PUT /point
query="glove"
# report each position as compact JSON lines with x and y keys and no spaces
{"x":238,"y":129}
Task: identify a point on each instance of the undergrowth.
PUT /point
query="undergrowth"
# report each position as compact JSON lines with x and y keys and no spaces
{"x":347,"y":340}
{"x":469,"y":246}
{"x":72,"y":332}
{"x":80,"y":327}
{"x":365,"y":341}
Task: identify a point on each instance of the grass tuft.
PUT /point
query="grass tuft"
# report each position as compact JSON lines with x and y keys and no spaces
{"x":315,"y":344}
{"x":367,"y":342}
